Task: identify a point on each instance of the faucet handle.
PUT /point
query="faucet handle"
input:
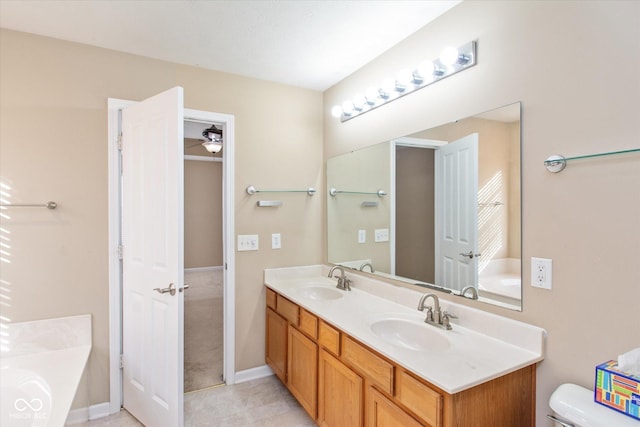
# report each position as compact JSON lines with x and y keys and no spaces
{"x":347,"y":284}
{"x":445,"y":319}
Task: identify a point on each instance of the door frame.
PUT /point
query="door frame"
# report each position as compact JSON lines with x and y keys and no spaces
{"x":115,"y":266}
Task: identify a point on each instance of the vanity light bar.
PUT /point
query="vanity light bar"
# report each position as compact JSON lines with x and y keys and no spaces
{"x":450,"y":62}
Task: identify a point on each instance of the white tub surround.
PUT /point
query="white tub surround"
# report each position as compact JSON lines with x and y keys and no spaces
{"x":482,"y":346}
{"x":41,"y":366}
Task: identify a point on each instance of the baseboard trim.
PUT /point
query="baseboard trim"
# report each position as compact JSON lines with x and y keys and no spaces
{"x":203,"y":269}
{"x":82,"y":415}
{"x":253,"y":374}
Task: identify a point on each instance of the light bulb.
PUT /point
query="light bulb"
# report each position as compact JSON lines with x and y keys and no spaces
{"x":403,"y":79}
{"x":336,"y":111}
{"x":449,"y":56}
{"x":387,"y":87}
{"x":371,"y":95}
{"x":347,"y":107}
{"x":425,"y":70}
{"x":359,"y":101}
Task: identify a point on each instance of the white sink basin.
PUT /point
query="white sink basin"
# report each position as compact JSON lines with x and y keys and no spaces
{"x":410,"y":334}
{"x":320,"y":293}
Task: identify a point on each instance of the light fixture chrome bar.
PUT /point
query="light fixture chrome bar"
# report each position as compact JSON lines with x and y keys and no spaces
{"x":452,"y":61}
{"x":251,"y":190}
{"x":48,"y":205}
{"x":557,"y":163}
{"x":268,"y":203}
{"x":333,"y":192}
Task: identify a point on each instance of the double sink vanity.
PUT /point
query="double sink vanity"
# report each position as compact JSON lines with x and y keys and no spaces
{"x":366,"y":356}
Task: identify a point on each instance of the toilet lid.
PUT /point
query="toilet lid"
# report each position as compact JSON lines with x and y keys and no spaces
{"x":575,"y":404}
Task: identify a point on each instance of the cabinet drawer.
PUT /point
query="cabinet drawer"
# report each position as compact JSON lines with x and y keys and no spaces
{"x":287,"y":309}
{"x":309,"y":324}
{"x":271,"y":299}
{"x":329,"y":338}
{"x":378,"y":370}
{"x":419,"y":398}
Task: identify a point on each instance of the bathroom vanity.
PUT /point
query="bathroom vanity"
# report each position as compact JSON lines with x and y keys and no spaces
{"x":354,"y":358}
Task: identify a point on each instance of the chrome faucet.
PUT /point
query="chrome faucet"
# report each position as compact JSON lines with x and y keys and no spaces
{"x":435,"y":316}
{"x":343,"y":282}
{"x":474,"y":292}
{"x":369,"y":265}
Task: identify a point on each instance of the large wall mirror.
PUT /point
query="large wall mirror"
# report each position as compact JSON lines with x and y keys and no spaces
{"x":438,"y":208}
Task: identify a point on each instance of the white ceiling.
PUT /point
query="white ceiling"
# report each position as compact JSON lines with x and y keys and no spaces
{"x":311,"y":44}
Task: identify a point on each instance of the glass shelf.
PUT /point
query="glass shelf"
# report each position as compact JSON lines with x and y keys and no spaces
{"x":557,"y":163}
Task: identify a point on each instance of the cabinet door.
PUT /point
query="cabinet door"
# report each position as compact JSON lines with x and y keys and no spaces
{"x":276,"y":344}
{"x":302,"y":374}
{"x":340,"y":394}
{"x":381,"y":412}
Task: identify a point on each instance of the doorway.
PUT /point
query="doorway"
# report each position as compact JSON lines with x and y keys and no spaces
{"x":203,"y":260}
{"x":226,"y":270}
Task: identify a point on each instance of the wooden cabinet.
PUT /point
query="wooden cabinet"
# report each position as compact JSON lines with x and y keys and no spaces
{"x":340,"y":393}
{"x":342,"y":382}
{"x":382,"y":412}
{"x":276,"y":344}
{"x":419,"y":398}
{"x":302,"y":374}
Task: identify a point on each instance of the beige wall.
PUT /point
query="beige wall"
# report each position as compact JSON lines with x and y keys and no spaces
{"x":558,"y":59}
{"x":53,"y":146}
{"x":202,"y":214}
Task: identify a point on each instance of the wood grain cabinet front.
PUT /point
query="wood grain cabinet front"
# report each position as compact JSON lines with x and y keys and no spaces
{"x":276,"y":344}
{"x":382,"y":412}
{"x":302,"y":373}
{"x":340,"y":393}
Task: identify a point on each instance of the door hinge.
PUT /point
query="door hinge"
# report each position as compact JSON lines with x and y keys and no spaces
{"x":121,"y":361}
{"x":119,"y":142}
{"x":120,"y":252}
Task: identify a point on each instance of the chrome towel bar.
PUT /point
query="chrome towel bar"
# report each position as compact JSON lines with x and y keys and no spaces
{"x":48,"y":205}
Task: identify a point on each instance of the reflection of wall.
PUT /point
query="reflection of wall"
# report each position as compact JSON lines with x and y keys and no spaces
{"x":364,"y":170}
{"x":498,"y":226}
{"x":202,"y":214}
{"x":415,"y":222}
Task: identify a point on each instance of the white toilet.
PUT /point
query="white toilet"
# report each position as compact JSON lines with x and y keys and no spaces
{"x":574,"y":407}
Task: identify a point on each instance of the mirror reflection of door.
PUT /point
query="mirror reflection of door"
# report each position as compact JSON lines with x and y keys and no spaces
{"x":456,"y":244}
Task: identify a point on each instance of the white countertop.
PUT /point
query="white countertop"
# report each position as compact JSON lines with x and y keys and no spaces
{"x":483,"y":346}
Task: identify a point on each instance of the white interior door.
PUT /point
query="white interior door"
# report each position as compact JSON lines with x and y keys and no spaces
{"x":457,"y":213}
{"x":152,"y":238}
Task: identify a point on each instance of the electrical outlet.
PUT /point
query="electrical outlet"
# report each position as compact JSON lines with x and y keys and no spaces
{"x":541,"y":273}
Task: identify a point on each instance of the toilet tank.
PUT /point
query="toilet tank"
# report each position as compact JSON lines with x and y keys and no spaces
{"x":574,"y":406}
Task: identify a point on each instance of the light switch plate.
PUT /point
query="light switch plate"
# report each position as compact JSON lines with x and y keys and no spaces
{"x":362,"y":236}
{"x":382,"y":235}
{"x":247,"y":242}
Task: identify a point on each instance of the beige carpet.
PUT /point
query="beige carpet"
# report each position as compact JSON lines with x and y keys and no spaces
{"x":203,"y":323}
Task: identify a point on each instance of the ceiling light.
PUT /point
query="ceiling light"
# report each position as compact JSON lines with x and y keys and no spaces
{"x":213,"y":139}
{"x":451,"y":61}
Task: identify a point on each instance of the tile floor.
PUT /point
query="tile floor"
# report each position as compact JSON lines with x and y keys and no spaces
{"x":264,"y":402}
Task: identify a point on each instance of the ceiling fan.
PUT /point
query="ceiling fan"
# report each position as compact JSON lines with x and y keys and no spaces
{"x":212,"y":141}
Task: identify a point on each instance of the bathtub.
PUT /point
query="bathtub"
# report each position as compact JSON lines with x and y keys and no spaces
{"x":41,"y":363}
{"x":501,"y":280}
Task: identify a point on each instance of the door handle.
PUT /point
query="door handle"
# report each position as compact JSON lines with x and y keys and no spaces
{"x":171,"y":289}
{"x":470,"y":254}
{"x":184,"y":288}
